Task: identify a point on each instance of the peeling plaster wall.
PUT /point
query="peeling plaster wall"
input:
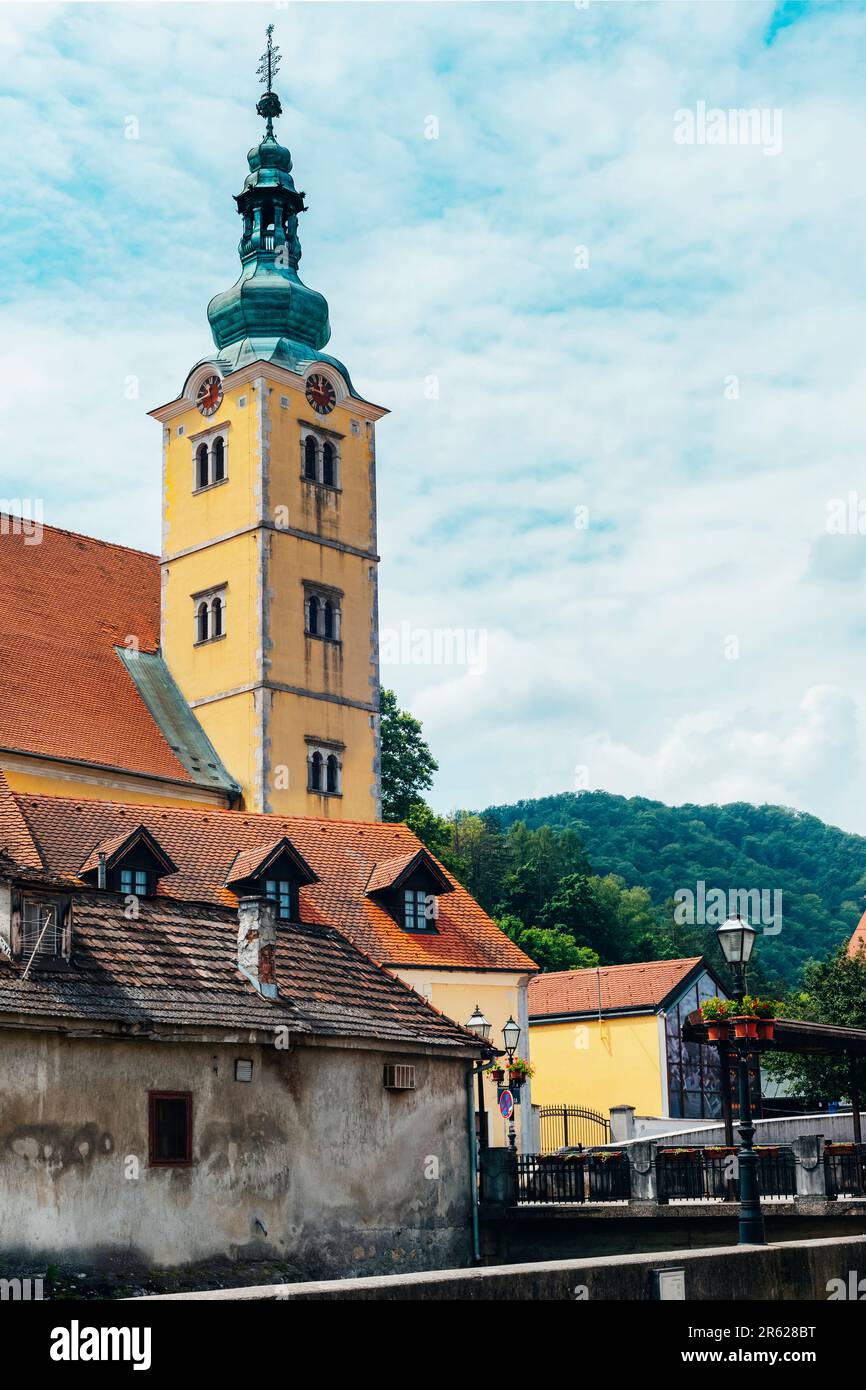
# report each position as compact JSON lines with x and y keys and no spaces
{"x":334,"y":1167}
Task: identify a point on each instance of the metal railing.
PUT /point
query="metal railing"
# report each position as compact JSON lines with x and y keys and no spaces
{"x":583,"y":1176}
{"x":570,"y":1126}
{"x":708,"y":1174}
{"x":845,"y":1169}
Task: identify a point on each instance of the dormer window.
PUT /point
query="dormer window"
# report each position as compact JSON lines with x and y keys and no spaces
{"x":131,"y":863}
{"x":45,"y":931}
{"x":409,"y":886}
{"x":275,"y":870}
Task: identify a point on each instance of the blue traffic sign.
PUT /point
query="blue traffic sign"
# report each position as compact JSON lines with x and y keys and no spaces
{"x":506,"y":1104}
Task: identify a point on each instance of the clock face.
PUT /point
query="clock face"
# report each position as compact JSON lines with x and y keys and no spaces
{"x":210,"y":395}
{"x":321,"y":394}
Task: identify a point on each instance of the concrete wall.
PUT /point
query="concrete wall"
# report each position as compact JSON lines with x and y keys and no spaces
{"x":313,"y":1161}
{"x":780,"y":1131}
{"x":798,"y":1270}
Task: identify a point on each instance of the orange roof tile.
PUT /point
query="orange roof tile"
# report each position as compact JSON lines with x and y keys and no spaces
{"x":68,"y":601}
{"x":15,"y":837}
{"x":858,"y":939}
{"x":205,"y":844}
{"x":642,"y":986}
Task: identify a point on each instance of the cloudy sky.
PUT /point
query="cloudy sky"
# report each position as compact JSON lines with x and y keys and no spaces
{"x":626,"y":372}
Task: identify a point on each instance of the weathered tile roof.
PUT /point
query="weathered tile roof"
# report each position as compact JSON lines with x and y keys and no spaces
{"x":642,"y":986}
{"x":175,"y":965}
{"x":68,"y":602}
{"x":204,"y":844}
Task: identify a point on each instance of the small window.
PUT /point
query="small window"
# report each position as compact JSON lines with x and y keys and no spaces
{"x":415,"y":910}
{"x":328,"y":625}
{"x":316,"y":772}
{"x":333,"y":774}
{"x":170,"y":1128}
{"x":219,"y":460}
{"x":202,"y":475}
{"x":41,"y":933}
{"x":201,"y":623}
{"x":313,"y":616}
{"x":310,"y":458}
{"x":134,"y":881}
{"x":280,"y":890}
{"x":328,"y":464}
{"x":216,"y":613}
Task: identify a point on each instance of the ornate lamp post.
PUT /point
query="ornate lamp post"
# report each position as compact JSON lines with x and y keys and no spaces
{"x":511,"y":1036}
{"x":736,"y":938}
{"x":482,"y":1028}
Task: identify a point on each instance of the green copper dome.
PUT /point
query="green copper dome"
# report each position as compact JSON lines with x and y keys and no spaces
{"x":270,"y":312}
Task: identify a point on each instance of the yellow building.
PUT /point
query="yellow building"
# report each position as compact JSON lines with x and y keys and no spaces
{"x":612,"y":1036}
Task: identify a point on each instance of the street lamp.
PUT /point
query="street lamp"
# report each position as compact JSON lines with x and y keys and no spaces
{"x":736,"y":939}
{"x":510,"y":1034}
{"x":482,"y":1028}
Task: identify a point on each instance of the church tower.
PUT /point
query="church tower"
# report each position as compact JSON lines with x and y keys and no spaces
{"x":269,"y":599}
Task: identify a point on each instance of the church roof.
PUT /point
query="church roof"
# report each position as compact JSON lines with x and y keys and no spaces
{"x":204,"y":845}
{"x":82,"y":677}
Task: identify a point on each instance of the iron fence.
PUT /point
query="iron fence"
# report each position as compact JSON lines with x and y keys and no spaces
{"x":571,"y":1126}
{"x":583,"y":1176}
{"x":845,"y":1169}
{"x":708,"y":1174}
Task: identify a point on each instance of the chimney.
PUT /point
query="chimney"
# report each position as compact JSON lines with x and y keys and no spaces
{"x":257,"y":941}
{"x":101,"y":874}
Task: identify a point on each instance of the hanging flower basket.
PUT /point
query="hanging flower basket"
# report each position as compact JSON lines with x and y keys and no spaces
{"x":766,"y":1029}
{"x":718,"y":1031}
{"x":745,"y":1026}
{"x":715,"y":1013}
{"x":497,"y":1074}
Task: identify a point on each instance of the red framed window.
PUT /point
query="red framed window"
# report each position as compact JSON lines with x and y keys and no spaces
{"x":170,"y":1129}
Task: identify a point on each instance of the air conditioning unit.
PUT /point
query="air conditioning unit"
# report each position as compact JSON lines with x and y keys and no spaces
{"x":399,"y":1077}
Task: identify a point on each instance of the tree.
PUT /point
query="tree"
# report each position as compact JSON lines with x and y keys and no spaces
{"x":833,"y":991}
{"x":436,"y":833}
{"x":407,"y":763}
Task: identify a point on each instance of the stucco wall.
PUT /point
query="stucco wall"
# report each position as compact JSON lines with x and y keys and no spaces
{"x":599,"y":1064}
{"x":344,"y":1177}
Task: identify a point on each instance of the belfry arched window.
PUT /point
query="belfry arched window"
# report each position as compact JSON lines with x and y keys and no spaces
{"x":328,"y":474}
{"x":202,"y":474}
{"x":201,"y":623}
{"x":333,"y":774}
{"x":316,"y":761}
{"x":219,"y":459}
{"x":313,"y":615}
{"x":328,"y":621}
{"x":310,"y":458}
{"x":216,"y":618}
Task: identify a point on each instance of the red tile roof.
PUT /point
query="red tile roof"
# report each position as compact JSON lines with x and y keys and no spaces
{"x":204,"y":845}
{"x":67,"y":602}
{"x":642,"y":986}
{"x":858,"y":940}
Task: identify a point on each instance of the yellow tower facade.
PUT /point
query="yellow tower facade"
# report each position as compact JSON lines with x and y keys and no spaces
{"x":269,"y":560}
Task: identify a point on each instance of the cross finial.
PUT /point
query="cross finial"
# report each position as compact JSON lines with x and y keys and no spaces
{"x":270,"y":61}
{"x":269,"y":105}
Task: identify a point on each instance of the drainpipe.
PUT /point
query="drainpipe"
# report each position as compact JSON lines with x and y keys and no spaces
{"x":473,"y":1165}
{"x":100,"y":872}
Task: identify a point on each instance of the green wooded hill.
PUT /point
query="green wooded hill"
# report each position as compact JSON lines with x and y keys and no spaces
{"x":820,"y":870}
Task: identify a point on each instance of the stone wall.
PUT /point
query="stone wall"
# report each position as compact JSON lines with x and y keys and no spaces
{"x":311,"y":1162}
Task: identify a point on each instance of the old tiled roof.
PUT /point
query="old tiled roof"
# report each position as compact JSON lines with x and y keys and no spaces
{"x":68,"y":602}
{"x":176,"y":965}
{"x":642,"y":986}
{"x":858,"y":940}
{"x":205,"y":844}
{"x":388,"y":872}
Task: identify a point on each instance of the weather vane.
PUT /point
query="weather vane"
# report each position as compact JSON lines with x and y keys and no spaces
{"x":269,"y":105}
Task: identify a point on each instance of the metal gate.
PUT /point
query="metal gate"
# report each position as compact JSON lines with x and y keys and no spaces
{"x":567,"y":1126}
